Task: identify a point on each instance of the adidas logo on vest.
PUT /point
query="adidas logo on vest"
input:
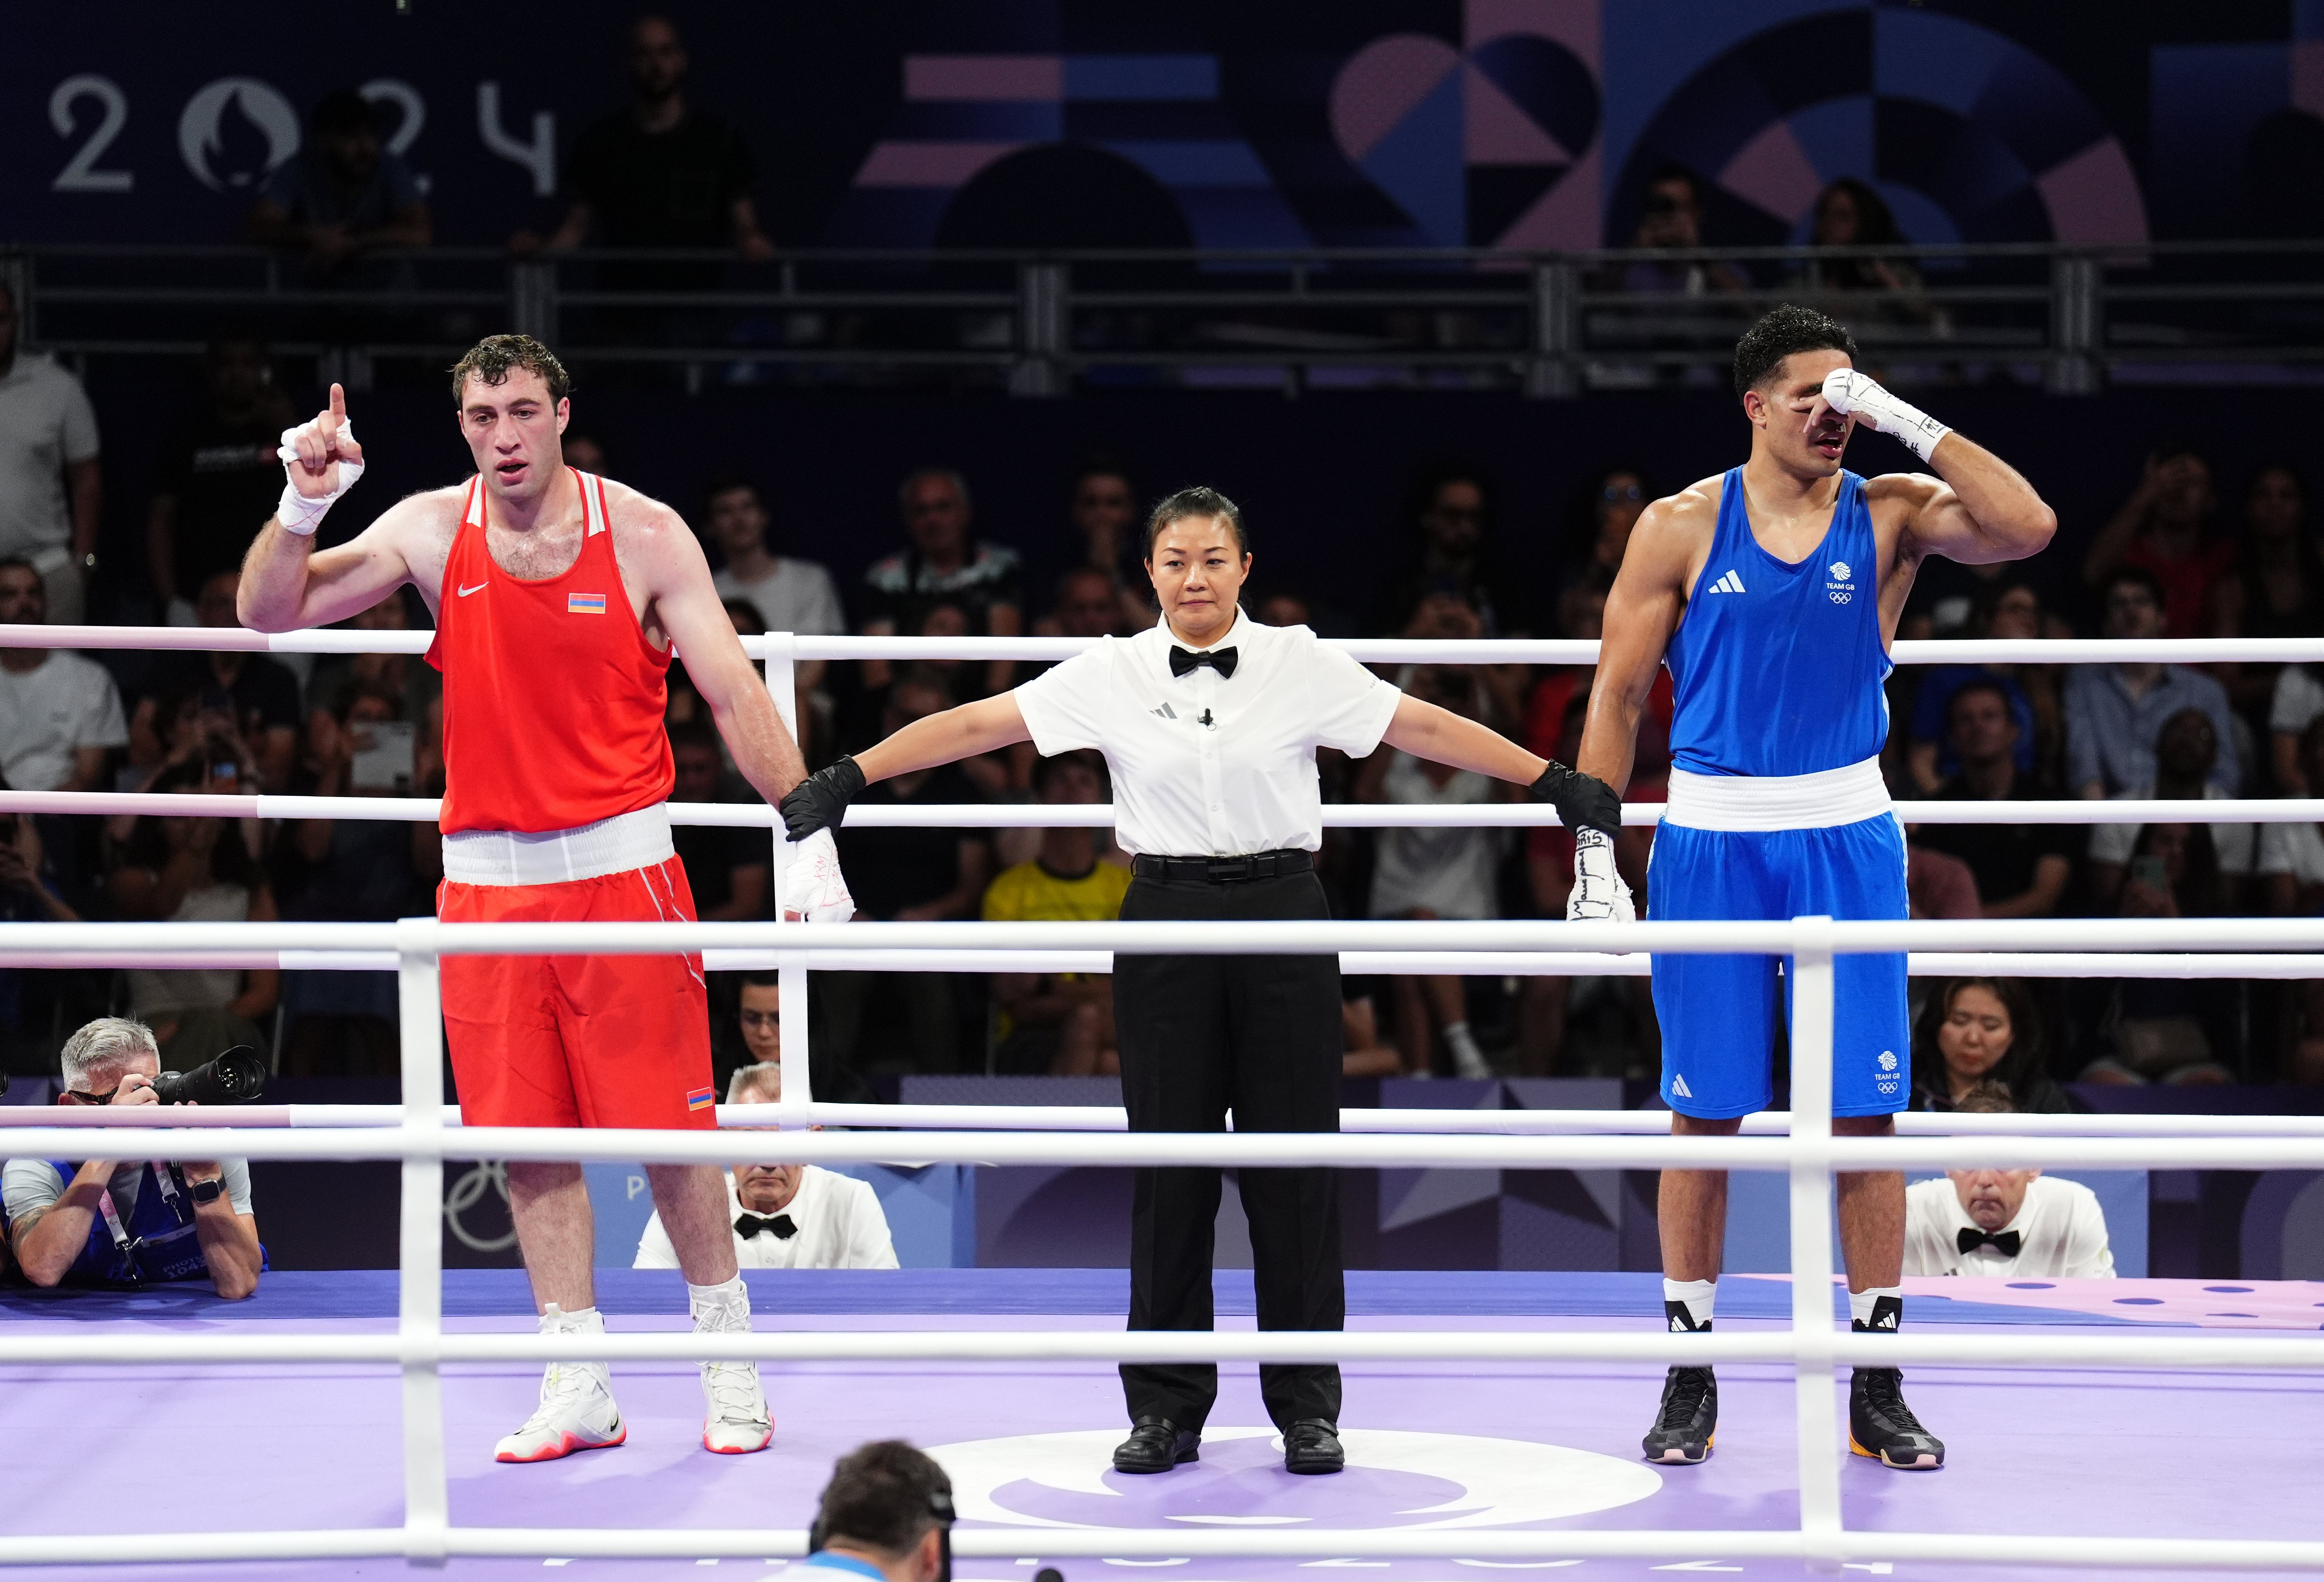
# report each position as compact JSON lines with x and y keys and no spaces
{"x":1730,"y":583}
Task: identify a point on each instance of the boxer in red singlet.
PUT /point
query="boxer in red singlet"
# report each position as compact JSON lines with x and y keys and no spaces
{"x":558,"y":597}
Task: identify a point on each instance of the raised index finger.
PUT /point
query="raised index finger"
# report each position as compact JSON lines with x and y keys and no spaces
{"x":338,"y":405}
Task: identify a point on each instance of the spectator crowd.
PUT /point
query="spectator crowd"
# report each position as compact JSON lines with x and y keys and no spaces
{"x":2188,"y":553}
{"x":2172,"y":561}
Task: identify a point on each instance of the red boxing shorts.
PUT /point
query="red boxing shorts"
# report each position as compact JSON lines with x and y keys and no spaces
{"x":579,"y":1041}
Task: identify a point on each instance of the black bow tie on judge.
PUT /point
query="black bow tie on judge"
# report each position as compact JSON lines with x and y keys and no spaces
{"x":2005,"y":1242}
{"x":1185,"y":661}
{"x":747,"y":1225}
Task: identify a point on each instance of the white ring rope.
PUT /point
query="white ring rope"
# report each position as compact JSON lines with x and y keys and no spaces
{"x":419,"y":1132}
{"x":1367,"y":651}
{"x":1098,"y":815}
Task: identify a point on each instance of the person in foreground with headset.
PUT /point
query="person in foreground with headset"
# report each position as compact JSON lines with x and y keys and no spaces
{"x":886,"y":1515}
{"x":1210,"y":722}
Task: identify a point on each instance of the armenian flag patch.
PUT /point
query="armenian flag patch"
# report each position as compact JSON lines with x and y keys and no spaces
{"x":585,"y":604}
{"x":702,"y":1099}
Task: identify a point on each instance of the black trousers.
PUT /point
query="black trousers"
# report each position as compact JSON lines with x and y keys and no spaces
{"x":1260,"y":1035}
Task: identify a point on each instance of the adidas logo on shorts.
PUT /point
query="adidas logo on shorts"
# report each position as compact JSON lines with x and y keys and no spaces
{"x":1679,"y":1089}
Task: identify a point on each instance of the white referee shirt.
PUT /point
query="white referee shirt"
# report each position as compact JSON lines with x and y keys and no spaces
{"x":2063,"y":1229}
{"x":1205,"y":766}
{"x":839,"y":1227}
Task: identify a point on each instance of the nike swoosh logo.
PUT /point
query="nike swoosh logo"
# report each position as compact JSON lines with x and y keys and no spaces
{"x":479,"y":588}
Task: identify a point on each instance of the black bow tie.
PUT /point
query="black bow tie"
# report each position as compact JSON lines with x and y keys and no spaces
{"x":1183,"y":660}
{"x":747,"y":1225}
{"x":2005,"y":1242}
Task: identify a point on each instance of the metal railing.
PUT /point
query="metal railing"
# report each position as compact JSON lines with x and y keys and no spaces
{"x":1552,"y":323}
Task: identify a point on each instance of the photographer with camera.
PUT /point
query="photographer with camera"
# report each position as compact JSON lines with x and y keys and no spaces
{"x":118,"y":1223}
{"x":886,"y":1515}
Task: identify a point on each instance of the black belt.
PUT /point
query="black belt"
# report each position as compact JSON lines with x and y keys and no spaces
{"x":1224,"y":870}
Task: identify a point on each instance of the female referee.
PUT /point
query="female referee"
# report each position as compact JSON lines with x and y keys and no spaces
{"x":1210,"y":722}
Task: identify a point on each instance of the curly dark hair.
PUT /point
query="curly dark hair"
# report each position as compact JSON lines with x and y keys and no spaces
{"x":1784,"y":329}
{"x":495,"y":357}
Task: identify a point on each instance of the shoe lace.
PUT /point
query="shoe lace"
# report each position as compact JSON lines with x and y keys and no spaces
{"x":1884,"y":1393}
{"x":1682,"y":1398}
{"x":560,"y":1386}
{"x":734,"y":1391}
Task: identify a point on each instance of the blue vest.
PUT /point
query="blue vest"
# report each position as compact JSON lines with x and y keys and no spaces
{"x":162,"y":1243}
{"x":1776,"y":670}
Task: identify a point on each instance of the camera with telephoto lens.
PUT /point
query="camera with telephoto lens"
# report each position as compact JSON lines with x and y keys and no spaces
{"x":236,"y":1077}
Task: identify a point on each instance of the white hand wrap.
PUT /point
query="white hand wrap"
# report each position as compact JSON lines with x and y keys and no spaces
{"x":1599,"y":894}
{"x":813,"y":887}
{"x":303,"y":513}
{"x":1853,"y":394}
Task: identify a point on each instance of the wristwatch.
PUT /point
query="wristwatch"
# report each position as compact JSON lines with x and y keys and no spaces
{"x":206,"y":1191}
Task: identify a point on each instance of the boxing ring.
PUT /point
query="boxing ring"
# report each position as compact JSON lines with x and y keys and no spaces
{"x":1447,"y":1356}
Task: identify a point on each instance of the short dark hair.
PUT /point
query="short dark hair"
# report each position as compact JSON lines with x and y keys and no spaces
{"x":885,"y":1496}
{"x":18,"y":563}
{"x":495,"y":357}
{"x":342,"y":109}
{"x":727,"y":484}
{"x":1969,"y":689}
{"x":744,"y":617}
{"x":1045,"y":769}
{"x":1782,"y":330}
{"x":922,"y":678}
{"x":1988,"y":1097}
{"x":1199,"y":500}
{"x":1102,"y":465}
{"x":1430,"y":480}
{"x":2139,"y":576}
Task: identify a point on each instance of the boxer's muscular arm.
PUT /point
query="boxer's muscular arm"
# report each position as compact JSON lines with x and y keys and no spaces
{"x":1648,"y":596}
{"x":286,"y":583}
{"x":1978,"y":510}
{"x":657,"y":549}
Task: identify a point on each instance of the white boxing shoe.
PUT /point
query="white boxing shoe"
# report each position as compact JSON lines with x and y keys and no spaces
{"x":576,"y":1410}
{"x":735,"y":1420}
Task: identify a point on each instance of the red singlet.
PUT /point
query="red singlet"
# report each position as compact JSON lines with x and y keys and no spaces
{"x":553,"y":698}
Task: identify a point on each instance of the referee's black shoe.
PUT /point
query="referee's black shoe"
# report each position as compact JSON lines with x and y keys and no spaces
{"x":1688,"y":1421}
{"x":1156,"y":1444}
{"x":1311,"y":1447}
{"x":1882,"y":1427}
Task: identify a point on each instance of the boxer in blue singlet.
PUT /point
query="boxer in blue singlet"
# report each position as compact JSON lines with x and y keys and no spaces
{"x":1772,"y":593}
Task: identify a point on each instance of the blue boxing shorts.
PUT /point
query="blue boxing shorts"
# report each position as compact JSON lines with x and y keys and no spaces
{"x":1717,"y":1013}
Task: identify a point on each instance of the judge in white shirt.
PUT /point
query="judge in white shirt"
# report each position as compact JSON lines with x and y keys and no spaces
{"x":788,"y":1215}
{"x":2007,"y":1224}
{"x":1210,"y":723}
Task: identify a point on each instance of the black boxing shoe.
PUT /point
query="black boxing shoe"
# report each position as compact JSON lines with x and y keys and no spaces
{"x":1156,"y":1444}
{"x":1882,"y":1427}
{"x":1311,"y":1448}
{"x":1688,"y":1421}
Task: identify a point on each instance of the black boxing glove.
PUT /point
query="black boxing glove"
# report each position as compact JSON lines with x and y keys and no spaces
{"x":1583,"y":801}
{"x":820,"y":801}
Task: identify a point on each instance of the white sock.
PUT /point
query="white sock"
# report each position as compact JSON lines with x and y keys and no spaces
{"x":1860,"y":1303}
{"x":1697,"y":1296}
{"x":584,"y":1321}
{"x":587,"y":1321}
{"x":720,"y":1308}
{"x":1467,"y":1058}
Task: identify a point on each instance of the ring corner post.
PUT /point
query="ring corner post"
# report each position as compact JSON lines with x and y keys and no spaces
{"x":782,"y":687}
{"x":1811,"y":1195}
{"x":420,"y":1312}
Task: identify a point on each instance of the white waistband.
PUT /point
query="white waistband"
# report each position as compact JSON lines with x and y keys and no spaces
{"x":619,"y":844}
{"x":1823,"y":800}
